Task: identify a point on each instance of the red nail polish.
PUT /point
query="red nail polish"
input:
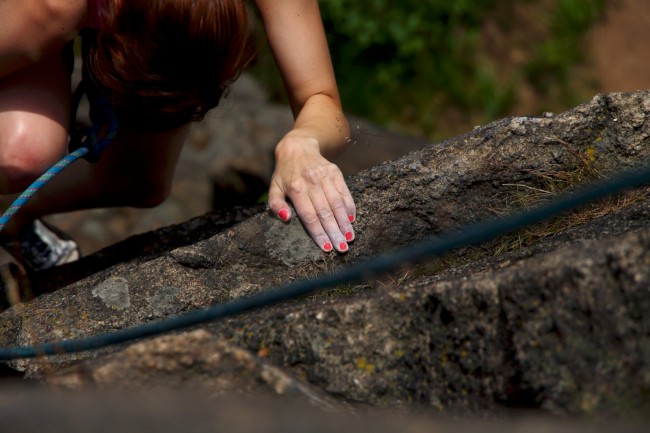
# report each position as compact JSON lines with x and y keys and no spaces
{"x":343,"y":246}
{"x":351,"y":218}
{"x":327,"y":247}
{"x":283,"y":214}
{"x":349,"y":236}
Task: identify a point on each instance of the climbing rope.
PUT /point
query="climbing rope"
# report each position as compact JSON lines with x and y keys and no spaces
{"x":39,"y":183}
{"x":88,"y":144}
{"x":470,"y":235}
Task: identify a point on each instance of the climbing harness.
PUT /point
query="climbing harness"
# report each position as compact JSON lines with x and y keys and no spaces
{"x":88,"y":143}
{"x":103,"y":128}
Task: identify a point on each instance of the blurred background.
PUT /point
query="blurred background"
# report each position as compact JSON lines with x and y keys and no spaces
{"x":410,"y":72}
{"x":436,"y":67}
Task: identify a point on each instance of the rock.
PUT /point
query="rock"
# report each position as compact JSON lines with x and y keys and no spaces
{"x":194,"y":361}
{"x":564,"y":331}
{"x":558,"y":326}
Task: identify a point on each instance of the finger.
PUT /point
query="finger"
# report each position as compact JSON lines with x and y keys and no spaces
{"x":278,"y":204}
{"x":341,"y":214}
{"x":311,"y":221}
{"x":327,"y":219}
{"x":348,"y":201}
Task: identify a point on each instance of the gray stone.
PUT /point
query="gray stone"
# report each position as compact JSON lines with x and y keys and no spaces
{"x":114,"y":293}
{"x":289,"y":247}
{"x":165,"y":301}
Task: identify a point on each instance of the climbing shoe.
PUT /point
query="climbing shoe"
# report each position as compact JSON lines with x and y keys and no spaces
{"x":41,"y":246}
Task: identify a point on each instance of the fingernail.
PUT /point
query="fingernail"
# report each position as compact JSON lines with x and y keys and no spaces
{"x":351,"y":218}
{"x":349,"y":236}
{"x":283,"y":214}
{"x":327,"y":247}
{"x":343,"y":246}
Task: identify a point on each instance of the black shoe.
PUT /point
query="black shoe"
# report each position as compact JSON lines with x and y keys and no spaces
{"x":41,"y":246}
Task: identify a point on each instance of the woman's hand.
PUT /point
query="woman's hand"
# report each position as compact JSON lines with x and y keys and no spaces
{"x":317,"y":190}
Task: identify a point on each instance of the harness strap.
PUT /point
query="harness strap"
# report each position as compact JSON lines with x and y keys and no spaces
{"x":101,"y":132}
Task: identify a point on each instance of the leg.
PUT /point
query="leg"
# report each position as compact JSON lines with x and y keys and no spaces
{"x":136,"y":170}
{"x":34,"y":118}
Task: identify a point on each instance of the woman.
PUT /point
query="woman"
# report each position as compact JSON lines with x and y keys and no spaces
{"x":161,"y":64}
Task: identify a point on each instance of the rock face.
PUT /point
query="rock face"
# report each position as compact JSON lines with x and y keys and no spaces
{"x":558,"y":325}
{"x":195,"y":361}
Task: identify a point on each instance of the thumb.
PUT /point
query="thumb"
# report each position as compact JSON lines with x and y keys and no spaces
{"x":278,"y":203}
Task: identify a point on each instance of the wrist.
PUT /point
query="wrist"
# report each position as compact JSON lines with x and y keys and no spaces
{"x":294,"y":144}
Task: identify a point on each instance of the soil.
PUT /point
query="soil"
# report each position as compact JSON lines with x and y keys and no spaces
{"x":619,"y":47}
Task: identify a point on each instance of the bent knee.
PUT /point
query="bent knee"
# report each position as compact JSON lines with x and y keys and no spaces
{"x":26,"y":152}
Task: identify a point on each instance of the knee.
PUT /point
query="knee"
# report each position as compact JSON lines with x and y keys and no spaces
{"x":26,"y":152}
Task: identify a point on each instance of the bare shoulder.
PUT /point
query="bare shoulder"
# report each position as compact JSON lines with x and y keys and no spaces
{"x":29,"y":29}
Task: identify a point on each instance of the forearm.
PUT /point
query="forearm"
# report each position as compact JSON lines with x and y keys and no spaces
{"x":320,"y":125}
{"x":304,"y":174}
{"x":297,"y":40}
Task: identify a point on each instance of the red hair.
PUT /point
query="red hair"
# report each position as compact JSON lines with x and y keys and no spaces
{"x":163,"y":63}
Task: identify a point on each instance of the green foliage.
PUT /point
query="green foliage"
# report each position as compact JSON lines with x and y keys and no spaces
{"x":409,"y":63}
{"x":413,"y":59}
{"x":402,"y":59}
{"x":555,"y":56}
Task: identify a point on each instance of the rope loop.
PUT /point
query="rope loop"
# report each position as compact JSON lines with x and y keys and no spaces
{"x":103,"y":129}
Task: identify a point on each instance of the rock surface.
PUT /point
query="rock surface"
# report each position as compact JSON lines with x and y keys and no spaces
{"x":559,"y":325}
{"x":194,"y":361}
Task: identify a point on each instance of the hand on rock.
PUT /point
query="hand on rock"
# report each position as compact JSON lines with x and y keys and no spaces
{"x":318,"y":192}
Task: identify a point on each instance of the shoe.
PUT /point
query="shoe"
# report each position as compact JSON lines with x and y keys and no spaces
{"x":41,"y":246}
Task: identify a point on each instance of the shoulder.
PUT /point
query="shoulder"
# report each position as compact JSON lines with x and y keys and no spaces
{"x":43,"y":18}
{"x":31,"y":28}
{"x":65,"y":15}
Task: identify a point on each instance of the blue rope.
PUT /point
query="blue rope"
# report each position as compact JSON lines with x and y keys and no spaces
{"x":39,"y":183}
{"x":471,"y":235}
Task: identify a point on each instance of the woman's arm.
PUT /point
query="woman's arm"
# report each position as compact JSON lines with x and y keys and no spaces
{"x":29,"y":29}
{"x":303,"y":175}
